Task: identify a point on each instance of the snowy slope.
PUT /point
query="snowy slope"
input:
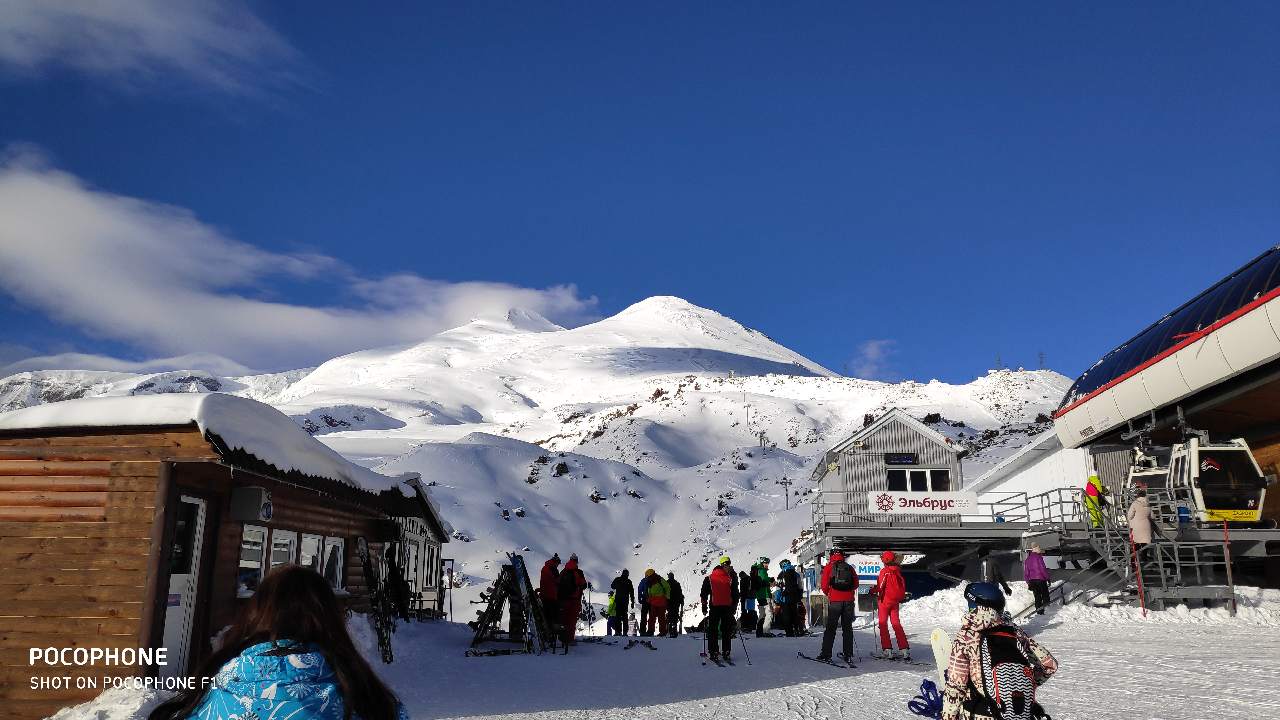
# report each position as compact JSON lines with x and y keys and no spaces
{"x":679,"y":394}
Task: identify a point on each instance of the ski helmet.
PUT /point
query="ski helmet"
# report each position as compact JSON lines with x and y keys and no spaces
{"x":984,"y":594}
{"x":887,"y":557}
{"x":724,"y":560}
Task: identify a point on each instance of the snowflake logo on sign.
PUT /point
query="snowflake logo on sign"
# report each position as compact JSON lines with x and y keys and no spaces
{"x":884,"y":501}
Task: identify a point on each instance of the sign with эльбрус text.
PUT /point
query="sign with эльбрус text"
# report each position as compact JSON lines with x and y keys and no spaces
{"x":922,"y":503}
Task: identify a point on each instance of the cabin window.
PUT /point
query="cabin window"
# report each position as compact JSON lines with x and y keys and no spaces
{"x":309,"y":552}
{"x":918,"y":480}
{"x":284,"y":547}
{"x":333,"y":562}
{"x":253,"y":545}
{"x":411,"y":566}
{"x":432,"y":568}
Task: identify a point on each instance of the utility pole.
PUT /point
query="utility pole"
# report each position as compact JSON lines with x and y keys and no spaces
{"x":999,"y":362}
{"x":786,"y":490}
{"x":1041,"y":359}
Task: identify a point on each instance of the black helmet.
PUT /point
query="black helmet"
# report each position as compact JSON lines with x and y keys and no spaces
{"x":984,"y":594}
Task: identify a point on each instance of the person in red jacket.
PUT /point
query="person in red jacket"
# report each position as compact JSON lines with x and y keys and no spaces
{"x":840,"y":585}
{"x":721,"y":588}
{"x":572,"y":583}
{"x":891,"y":589}
{"x":548,"y":590}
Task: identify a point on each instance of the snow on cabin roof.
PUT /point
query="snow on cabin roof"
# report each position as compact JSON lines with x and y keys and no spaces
{"x":256,"y":428}
{"x":903,"y":416}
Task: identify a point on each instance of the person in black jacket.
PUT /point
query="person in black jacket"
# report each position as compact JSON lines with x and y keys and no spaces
{"x":792,"y":600}
{"x":624,"y":597}
{"x":675,"y":605}
{"x":991,"y":571}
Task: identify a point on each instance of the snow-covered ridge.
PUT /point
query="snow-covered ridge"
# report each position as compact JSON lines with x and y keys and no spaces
{"x":256,"y":428}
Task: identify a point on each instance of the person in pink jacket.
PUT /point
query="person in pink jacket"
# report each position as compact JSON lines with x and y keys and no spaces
{"x":891,"y":589}
{"x":1037,"y":576}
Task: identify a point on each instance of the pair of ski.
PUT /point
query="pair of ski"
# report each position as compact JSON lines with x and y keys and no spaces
{"x":632,"y":643}
{"x":830,"y":661}
{"x":901,"y":661}
{"x":721,"y":661}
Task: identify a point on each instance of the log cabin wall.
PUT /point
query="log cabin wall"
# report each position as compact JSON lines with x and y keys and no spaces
{"x":298,"y":510}
{"x":78,"y":528}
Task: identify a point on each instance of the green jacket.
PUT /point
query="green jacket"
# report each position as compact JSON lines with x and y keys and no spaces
{"x":760,"y":576}
{"x":659,"y":588}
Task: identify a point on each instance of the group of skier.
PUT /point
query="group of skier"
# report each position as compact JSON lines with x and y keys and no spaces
{"x":660,"y":601}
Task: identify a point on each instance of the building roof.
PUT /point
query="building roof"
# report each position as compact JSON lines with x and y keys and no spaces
{"x":1040,"y":447}
{"x":903,"y":416}
{"x":239,"y":423}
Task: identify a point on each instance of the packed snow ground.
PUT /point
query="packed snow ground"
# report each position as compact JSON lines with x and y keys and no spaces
{"x":1178,"y":664}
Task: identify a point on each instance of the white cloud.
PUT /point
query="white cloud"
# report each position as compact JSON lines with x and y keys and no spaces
{"x":220,"y":44}
{"x":871,"y":362}
{"x":208,"y":362}
{"x":156,"y":277}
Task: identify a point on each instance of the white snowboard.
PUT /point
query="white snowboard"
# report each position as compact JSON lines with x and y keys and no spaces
{"x":941,"y":643}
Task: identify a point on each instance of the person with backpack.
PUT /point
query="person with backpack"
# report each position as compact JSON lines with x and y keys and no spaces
{"x":840,"y":585}
{"x":760,"y":588}
{"x":720,"y":587}
{"x":625,"y":596}
{"x":657,"y":591}
{"x":994,"y":668}
{"x":891,"y":590}
{"x":675,"y":605}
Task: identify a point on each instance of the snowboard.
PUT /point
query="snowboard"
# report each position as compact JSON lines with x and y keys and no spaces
{"x":941,"y":643}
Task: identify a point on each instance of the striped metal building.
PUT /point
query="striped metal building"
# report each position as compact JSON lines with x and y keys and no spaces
{"x":894,"y":452}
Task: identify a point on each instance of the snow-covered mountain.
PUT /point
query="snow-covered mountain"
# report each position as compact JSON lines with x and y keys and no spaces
{"x":656,"y":437}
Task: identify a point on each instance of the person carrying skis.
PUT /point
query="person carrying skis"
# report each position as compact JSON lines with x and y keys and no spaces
{"x":549,"y":588}
{"x":993,"y":668}
{"x":720,"y":587}
{"x":572,"y":583}
{"x":891,"y":590}
{"x":1037,"y":576}
{"x":642,"y":598}
{"x":657,"y":591}
{"x":624,"y":596}
{"x":840,"y":585}
{"x":991,"y":571}
{"x":792,"y":600}
{"x":675,"y":605}
{"x":1095,"y":498}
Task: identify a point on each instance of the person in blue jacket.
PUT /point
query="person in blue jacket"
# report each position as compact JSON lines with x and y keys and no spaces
{"x":287,"y":656}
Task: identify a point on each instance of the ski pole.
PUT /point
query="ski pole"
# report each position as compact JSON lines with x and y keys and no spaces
{"x":743,"y":640}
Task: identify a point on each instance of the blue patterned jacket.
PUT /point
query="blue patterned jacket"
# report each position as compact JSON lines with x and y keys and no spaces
{"x":258,"y":686}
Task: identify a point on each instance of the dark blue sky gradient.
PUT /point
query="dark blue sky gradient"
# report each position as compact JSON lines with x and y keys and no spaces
{"x":965,"y":180}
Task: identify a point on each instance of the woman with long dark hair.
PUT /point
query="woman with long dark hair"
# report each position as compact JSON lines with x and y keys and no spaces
{"x":287,"y":656}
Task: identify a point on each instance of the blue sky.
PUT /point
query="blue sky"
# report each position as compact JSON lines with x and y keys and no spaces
{"x":895,"y":192}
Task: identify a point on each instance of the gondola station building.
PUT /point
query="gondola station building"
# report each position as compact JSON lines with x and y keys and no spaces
{"x":137,"y":523}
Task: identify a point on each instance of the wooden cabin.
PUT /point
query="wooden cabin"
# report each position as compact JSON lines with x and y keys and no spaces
{"x":146,"y":522}
{"x":894,"y":452}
